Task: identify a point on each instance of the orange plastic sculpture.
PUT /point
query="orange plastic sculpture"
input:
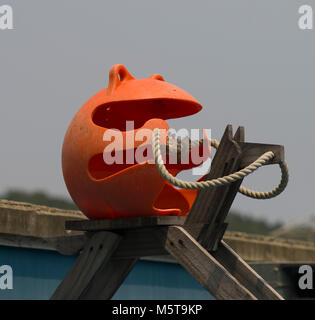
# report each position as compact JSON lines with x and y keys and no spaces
{"x":115,"y":190}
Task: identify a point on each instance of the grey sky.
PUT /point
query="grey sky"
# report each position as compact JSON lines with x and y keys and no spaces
{"x":245,"y":61}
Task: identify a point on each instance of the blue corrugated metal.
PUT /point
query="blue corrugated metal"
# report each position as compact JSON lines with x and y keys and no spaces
{"x":37,"y":273}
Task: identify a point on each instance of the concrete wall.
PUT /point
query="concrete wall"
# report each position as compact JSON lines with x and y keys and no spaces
{"x":30,"y":226}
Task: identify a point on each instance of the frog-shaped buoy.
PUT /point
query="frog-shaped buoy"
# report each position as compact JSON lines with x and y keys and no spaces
{"x":109,"y":191}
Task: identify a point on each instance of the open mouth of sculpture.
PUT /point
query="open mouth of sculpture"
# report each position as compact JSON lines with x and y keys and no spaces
{"x":114,"y":115}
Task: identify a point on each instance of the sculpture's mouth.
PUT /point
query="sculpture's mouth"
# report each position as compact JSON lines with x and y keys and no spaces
{"x":115,"y":114}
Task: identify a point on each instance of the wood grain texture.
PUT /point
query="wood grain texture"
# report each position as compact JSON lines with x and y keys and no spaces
{"x":143,"y":242}
{"x":108,"y":279}
{"x":206,"y":198}
{"x":252,"y":151}
{"x":139,"y":243}
{"x":213,"y":204}
{"x":202,"y":265}
{"x":248,"y":277}
{"x":124,"y":224}
{"x":212,"y":235}
{"x":97,"y":251}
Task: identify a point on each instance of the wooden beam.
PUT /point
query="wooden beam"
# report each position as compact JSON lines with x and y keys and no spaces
{"x":143,"y":242}
{"x":212,"y":205}
{"x":202,"y":265}
{"x":244,"y":273}
{"x":208,"y":201}
{"x":97,"y":251}
{"x":252,"y":151}
{"x":124,"y":224}
{"x":139,"y":243}
{"x":213,"y":234}
{"x":108,"y":279}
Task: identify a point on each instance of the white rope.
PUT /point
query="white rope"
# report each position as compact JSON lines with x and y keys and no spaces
{"x":265,"y":158}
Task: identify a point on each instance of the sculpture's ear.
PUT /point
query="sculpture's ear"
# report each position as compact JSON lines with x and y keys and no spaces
{"x":117,"y":74}
{"x":157,"y":77}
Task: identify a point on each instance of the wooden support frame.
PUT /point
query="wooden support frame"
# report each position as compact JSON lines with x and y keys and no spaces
{"x":113,"y":246}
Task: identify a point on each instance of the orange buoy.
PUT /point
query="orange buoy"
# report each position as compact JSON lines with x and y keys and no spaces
{"x":125,"y":189}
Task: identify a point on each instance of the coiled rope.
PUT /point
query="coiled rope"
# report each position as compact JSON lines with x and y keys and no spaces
{"x":265,"y":158}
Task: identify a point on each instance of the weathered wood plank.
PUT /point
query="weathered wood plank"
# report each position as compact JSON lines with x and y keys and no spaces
{"x":244,"y":273}
{"x":139,"y":243}
{"x":124,"y":224}
{"x":239,"y":135}
{"x":67,"y":245}
{"x":251,"y":247}
{"x":212,"y":204}
{"x":202,"y":265}
{"x":252,"y":151}
{"x":143,"y":242}
{"x":212,"y":197}
{"x":212,"y":235}
{"x":108,"y":279}
{"x":98,"y":250}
